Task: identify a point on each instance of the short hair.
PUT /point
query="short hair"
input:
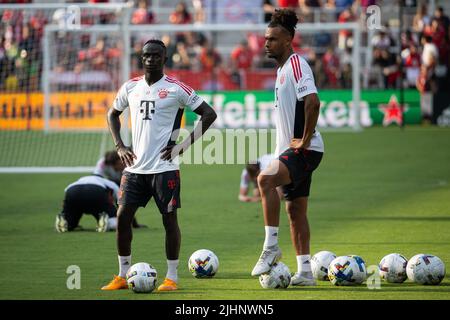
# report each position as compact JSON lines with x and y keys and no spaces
{"x":111,"y":157}
{"x":155,"y":41}
{"x":252,"y":169}
{"x":285,"y":18}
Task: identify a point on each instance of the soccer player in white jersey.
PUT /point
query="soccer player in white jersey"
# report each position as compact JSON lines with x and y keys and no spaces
{"x":92,"y":195}
{"x":249,"y":176}
{"x":156,"y":105}
{"x":299,"y":148}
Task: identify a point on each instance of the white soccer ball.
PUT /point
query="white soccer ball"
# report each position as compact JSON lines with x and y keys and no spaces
{"x":142,"y":278}
{"x":279,"y":277}
{"x":319,"y":264}
{"x":393,"y":268}
{"x":347,"y":271}
{"x":203,"y":263}
{"x":425,"y":269}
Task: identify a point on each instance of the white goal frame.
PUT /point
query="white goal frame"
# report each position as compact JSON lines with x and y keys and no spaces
{"x":126,"y":29}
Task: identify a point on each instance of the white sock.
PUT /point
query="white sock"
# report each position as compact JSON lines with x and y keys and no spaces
{"x":112,"y":223}
{"x":124,"y":265}
{"x":271,"y":236}
{"x":304,"y":263}
{"x":172,"y":270}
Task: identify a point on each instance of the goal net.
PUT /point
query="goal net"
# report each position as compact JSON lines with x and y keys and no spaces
{"x":54,"y":120}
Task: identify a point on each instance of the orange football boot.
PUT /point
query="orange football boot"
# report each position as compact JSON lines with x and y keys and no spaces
{"x":116,"y":283}
{"x":168,"y":285}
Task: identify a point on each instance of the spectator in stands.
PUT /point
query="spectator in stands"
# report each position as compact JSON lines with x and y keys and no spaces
{"x":199,"y":11}
{"x":383,"y":40}
{"x":143,"y":14}
{"x":408,"y":38}
{"x":437,"y":33}
{"x":268,"y":9}
{"x":330,"y":63}
{"x":411,"y":63}
{"x":210,"y":58}
{"x":289,"y":4}
{"x":180,"y":16}
{"x":241,"y":57}
{"x":421,"y":19}
{"x":170,"y":50}
{"x":181,"y":59}
{"x":443,"y":20}
{"x":346,"y":69}
{"x":307,"y":8}
{"x":389,"y":67}
{"x":345,"y":35}
{"x":241,"y":61}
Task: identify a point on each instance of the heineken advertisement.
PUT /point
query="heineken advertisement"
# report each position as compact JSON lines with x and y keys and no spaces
{"x":255,"y":109}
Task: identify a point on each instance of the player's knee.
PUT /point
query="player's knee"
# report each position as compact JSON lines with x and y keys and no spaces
{"x":265,"y":182}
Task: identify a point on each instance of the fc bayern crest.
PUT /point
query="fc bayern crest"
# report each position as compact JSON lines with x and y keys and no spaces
{"x":163,"y":93}
{"x":282,"y":78}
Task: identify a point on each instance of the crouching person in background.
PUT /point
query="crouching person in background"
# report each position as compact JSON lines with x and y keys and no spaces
{"x":93,"y":195}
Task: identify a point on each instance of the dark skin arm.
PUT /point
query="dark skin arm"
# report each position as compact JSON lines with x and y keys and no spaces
{"x":207,"y":117}
{"x":125,"y":153}
{"x":312,"y":110}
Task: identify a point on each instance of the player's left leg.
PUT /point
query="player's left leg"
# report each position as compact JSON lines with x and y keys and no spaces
{"x":173,"y":242}
{"x":166,"y":189}
{"x":300,"y":236}
{"x":275,"y":175}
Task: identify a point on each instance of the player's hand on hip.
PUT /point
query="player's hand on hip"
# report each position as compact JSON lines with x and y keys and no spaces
{"x":299,"y":144}
{"x":126,"y":155}
{"x":171,"y":152}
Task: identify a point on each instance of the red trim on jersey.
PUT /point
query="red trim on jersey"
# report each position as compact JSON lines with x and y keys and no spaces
{"x":295,"y":63}
{"x":137,"y":78}
{"x":182,"y":85}
{"x":185,"y":87}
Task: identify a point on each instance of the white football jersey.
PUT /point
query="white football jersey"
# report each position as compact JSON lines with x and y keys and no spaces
{"x":294,"y":81}
{"x":263,"y":161}
{"x":156,"y":112}
{"x":98,"y":181}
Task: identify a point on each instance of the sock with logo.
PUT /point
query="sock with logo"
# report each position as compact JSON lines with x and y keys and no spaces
{"x":304,"y":264}
{"x":271,"y":237}
{"x":124,"y":265}
{"x":172,"y":270}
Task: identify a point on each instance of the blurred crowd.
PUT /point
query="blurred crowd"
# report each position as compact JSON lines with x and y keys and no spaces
{"x":424,"y":55}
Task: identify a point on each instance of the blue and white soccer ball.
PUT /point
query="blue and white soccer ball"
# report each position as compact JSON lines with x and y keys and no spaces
{"x":347,"y":271}
{"x":392,"y":268}
{"x":425,"y":269}
{"x":361,"y":265}
{"x":203,"y":263}
{"x":319,"y":264}
{"x":142,"y":278}
{"x":279,"y":277}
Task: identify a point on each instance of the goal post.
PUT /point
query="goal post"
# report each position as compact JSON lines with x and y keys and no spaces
{"x":71,"y":144}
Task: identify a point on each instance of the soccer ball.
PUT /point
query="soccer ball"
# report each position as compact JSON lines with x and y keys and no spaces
{"x":203,"y":263}
{"x":347,"y":271}
{"x":319,"y":264}
{"x":361,"y":265}
{"x":425,"y":269}
{"x":141,"y":277}
{"x":279,"y":277}
{"x":393,"y":268}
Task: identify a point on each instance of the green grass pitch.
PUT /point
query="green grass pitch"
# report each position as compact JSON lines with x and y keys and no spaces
{"x":377,"y":192}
